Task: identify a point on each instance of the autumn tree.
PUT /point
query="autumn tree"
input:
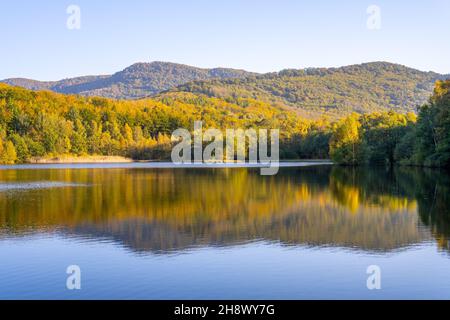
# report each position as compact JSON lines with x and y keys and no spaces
{"x":346,"y":142}
{"x":8,"y":153}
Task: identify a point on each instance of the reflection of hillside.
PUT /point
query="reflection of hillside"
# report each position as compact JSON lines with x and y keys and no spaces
{"x":174,"y":209}
{"x":432,"y":190}
{"x":396,"y":188}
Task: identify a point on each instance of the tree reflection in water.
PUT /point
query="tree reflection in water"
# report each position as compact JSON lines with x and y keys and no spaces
{"x":161,"y":210}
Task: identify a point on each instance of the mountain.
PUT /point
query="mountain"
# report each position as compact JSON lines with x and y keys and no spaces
{"x":312,"y":92}
{"x":137,"y":81}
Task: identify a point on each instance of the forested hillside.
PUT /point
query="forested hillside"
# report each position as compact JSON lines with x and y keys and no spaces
{"x":137,"y":81}
{"x":315,"y":92}
{"x":397,"y":139}
{"x":45,"y":124}
{"x":37,"y":124}
{"x":312,"y":92}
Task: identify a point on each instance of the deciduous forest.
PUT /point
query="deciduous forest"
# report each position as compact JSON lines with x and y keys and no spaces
{"x":37,"y":124}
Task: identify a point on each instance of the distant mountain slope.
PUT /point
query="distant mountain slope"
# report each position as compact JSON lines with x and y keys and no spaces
{"x":313,"y":92}
{"x":137,"y":81}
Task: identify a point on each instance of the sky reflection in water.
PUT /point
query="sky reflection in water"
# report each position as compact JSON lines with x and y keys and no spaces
{"x":140,"y":232}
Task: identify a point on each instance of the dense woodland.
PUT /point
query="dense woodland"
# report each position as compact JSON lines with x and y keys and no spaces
{"x":389,"y":138}
{"x":136,"y":81}
{"x":335,"y":92}
{"x":45,"y":124}
{"x":310,"y":92}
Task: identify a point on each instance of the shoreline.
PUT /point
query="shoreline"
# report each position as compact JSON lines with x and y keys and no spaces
{"x":157,"y":165}
{"x":79,"y":160}
{"x":120,"y":159}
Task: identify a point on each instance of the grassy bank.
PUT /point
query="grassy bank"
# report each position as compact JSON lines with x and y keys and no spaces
{"x":80,"y":159}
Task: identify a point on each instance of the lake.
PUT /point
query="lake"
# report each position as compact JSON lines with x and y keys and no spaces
{"x":142,"y":232}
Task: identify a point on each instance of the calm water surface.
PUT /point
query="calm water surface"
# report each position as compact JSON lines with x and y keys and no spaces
{"x":139,"y":232}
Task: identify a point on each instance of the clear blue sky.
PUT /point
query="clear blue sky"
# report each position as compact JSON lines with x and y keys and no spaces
{"x":256,"y":35}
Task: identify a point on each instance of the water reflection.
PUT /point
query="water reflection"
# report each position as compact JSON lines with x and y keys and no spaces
{"x":161,"y":210}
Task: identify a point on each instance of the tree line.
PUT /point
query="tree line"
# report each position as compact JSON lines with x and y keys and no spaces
{"x":365,"y":88}
{"x":391,"y":138}
{"x":44,"y":124}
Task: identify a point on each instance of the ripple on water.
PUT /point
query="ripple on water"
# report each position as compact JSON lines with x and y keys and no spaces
{"x":36,"y":185}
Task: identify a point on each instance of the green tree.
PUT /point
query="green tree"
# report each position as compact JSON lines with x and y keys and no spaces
{"x":381,"y":134}
{"x":21,"y":148}
{"x":79,"y":139}
{"x":433,"y":129}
